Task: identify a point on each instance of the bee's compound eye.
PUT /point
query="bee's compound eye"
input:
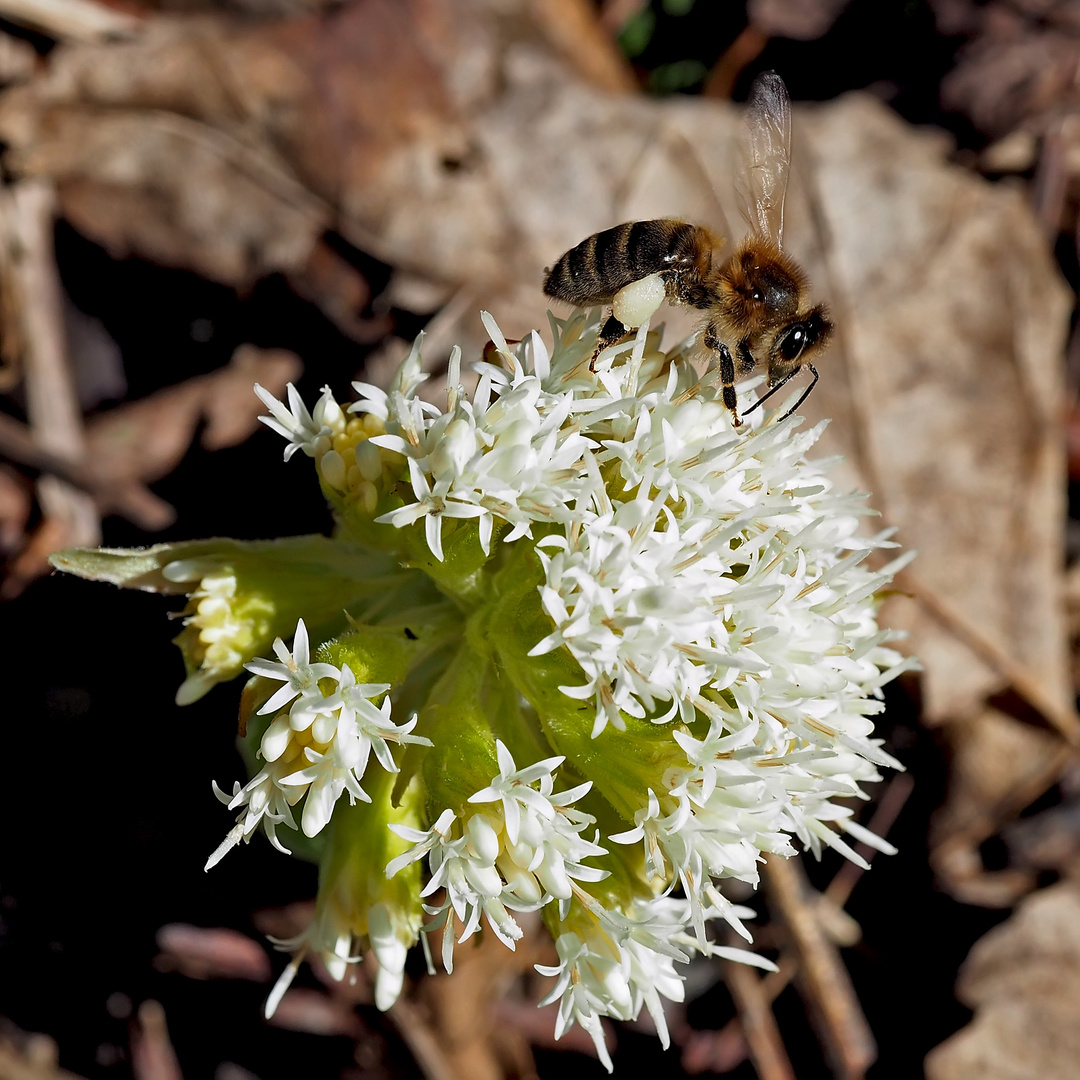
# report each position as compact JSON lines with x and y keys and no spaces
{"x":792,"y":344}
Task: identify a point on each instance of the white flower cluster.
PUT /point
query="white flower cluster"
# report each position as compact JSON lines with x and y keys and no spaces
{"x":319,"y":747}
{"x":307,"y":431}
{"x":702,"y":577}
{"x":514,"y":452}
{"x":521,"y":853}
{"x":331,"y":935}
{"x":221,"y":634}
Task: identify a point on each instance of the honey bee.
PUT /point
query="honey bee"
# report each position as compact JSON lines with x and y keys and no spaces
{"x":756,"y":298}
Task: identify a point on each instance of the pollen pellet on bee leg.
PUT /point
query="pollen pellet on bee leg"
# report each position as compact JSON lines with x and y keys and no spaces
{"x":637,"y":302}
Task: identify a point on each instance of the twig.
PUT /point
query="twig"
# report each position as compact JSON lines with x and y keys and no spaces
{"x":27,"y":215}
{"x":615,"y":14}
{"x":957,"y":860}
{"x":1051,"y":181}
{"x":419,"y":1037}
{"x":734,"y":60}
{"x":1059,"y":716}
{"x":132,"y":501}
{"x":575,"y":30}
{"x":822,"y":978}
{"x":152,"y":1053}
{"x":837,"y":892}
{"x":892,"y":801}
{"x":758,"y":1023}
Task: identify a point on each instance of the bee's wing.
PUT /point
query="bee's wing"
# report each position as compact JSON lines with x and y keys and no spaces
{"x":762,"y":179}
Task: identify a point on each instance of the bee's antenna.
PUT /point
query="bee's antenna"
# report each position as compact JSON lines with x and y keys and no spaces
{"x":804,"y":395}
{"x":769,"y":393}
{"x":790,"y":375}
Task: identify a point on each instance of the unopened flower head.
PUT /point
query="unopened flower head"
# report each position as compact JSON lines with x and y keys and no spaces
{"x":599,"y":652}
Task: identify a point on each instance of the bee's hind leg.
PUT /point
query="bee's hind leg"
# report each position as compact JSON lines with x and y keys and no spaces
{"x":610,"y":332}
{"x":727,"y":374}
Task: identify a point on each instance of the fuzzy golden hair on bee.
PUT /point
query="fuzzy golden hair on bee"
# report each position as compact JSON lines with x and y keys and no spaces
{"x":759,"y":285}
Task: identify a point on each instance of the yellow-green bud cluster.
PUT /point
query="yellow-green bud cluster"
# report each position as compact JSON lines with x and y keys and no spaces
{"x":359,"y":473}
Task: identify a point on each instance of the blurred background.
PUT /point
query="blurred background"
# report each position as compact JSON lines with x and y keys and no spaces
{"x":196,"y":195}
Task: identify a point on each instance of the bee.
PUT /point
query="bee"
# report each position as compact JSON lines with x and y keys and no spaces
{"x":756,"y":299}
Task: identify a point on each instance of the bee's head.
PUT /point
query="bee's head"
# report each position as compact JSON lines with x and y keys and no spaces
{"x":760,"y":287}
{"x":798,"y":343}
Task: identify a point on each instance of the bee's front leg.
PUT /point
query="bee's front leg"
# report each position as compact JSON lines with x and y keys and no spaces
{"x":727,"y":373}
{"x":747,"y":363}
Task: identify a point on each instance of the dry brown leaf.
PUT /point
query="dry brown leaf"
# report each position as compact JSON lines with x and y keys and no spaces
{"x":18,"y":59}
{"x":15,"y":504}
{"x":988,"y":751}
{"x":200,"y":952}
{"x":1023,"y":981}
{"x":317,"y":1014}
{"x":218,"y":107}
{"x":231,"y":407}
{"x":228,"y":147}
{"x":944,"y":388}
{"x":945,"y":392}
{"x":1000,"y":83}
{"x":156,"y":155}
{"x":144,"y":440}
{"x":203,"y":201}
{"x":285,"y":922}
{"x":797,"y":19}
{"x":335,"y":285}
{"x":1049,"y":840}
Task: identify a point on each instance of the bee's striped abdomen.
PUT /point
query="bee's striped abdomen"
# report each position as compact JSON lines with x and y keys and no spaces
{"x":601,"y":265}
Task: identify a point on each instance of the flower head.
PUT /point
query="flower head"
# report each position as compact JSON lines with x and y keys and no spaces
{"x":607,"y":652}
